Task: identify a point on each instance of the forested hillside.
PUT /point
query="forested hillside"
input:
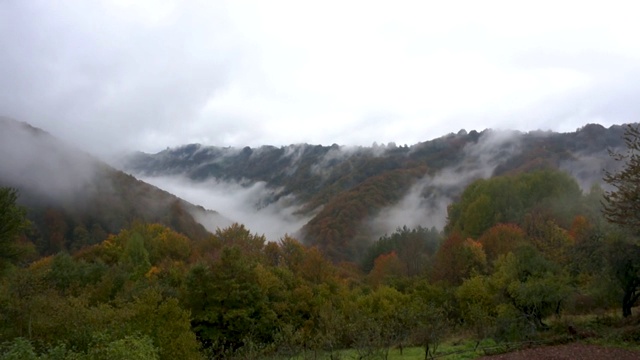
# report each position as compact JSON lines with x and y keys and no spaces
{"x":73,"y":199}
{"x":353,"y":195}
{"x":95,"y":264}
{"x":521,"y":253}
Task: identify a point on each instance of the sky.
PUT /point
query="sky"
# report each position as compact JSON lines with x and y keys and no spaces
{"x":115,"y":76}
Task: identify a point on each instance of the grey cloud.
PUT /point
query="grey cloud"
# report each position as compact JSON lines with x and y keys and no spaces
{"x":48,"y":169}
{"x":110,"y":79}
{"x":109,"y":83}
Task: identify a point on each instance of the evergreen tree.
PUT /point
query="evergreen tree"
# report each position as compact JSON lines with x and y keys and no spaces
{"x":13,"y":222}
{"x":622,"y":205}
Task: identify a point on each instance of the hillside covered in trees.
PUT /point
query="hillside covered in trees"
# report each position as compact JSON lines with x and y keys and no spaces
{"x":525,"y":246}
{"x":74,"y":199}
{"x":349,"y":196}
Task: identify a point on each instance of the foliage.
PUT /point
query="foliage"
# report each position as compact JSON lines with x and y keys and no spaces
{"x":507,"y":199}
{"x":622,"y":205}
{"x":478,"y":305}
{"x":414,"y":247}
{"x":458,"y":259}
{"x":13,"y":222}
{"x":335,"y":228}
{"x":501,"y":239}
{"x":533,"y":285}
{"x":623,"y":258}
{"x":148,"y":291}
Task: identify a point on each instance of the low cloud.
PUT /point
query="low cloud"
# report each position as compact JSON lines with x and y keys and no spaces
{"x":34,"y":160}
{"x":261,"y":209}
{"x":425,"y":204}
{"x":588,"y":168}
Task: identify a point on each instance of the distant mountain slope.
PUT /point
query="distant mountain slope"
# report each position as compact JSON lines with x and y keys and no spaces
{"x":75,"y":199}
{"x":354,"y":194}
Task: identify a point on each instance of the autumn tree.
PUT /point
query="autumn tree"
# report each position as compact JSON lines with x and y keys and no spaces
{"x":458,"y":259}
{"x":501,"y":239}
{"x":386,"y":268}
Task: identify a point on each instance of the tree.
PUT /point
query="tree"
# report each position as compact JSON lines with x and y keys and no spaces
{"x":228,"y":307}
{"x":386,"y":268}
{"x":535,"y":286}
{"x":623,"y":259}
{"x":478,"y":307}
{"x":501,"y":239}
{"x":135,"y":257}
{"x":13,"y":222}
{"x":458,"y":259}
{"x":622,"y":205}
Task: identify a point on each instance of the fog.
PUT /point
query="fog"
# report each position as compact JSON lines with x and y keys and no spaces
{"x":34,"y":160}
{"x":257,"y":206}
{"x":587,"y":168}
{"x":425,"y":204}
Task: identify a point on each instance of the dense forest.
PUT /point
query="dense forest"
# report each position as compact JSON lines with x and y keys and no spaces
{"x":345,"y":192}
{"x":521,"y":250}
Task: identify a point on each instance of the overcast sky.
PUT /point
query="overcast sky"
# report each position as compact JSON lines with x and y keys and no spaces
{"x":122,"y":75}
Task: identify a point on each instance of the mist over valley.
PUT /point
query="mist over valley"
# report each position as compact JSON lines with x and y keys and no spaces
{"x":319,"y":180}
{"x":358,"y":194}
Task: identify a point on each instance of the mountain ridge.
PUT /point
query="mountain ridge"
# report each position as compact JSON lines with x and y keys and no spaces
{"x":347,"y":192}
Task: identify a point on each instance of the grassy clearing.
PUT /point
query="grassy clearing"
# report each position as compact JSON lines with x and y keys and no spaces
{"x":451,"y":350}
{"x":603,"y":329}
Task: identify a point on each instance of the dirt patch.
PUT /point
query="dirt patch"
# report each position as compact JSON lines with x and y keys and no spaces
{"x":568,"y":352}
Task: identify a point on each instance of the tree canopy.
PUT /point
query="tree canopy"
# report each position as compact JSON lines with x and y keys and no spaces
{"x":13,"y":222}
{"x":622,"y":204}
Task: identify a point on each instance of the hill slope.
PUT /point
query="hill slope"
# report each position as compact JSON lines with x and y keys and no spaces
{"x":350,"y":195}
{"x":75,"y":199}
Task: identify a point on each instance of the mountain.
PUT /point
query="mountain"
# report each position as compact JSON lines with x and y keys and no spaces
{"x":74,"y":199}
{"x":348,"y":196}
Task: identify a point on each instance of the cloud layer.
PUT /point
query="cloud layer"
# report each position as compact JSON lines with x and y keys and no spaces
{"x":249,"y":205}
{"x":113,"y":75}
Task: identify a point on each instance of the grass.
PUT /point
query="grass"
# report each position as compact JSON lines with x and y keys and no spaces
{"x":604,"y":329}
{"x":450,"y":350}
{"x":608,"y":329}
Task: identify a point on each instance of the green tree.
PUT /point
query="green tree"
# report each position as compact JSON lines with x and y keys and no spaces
{"x":535,"y":286}
{"x":429,"y":307}
{"x":229,"y":309}
{"x":623,"y":259}
{"x":622,"y":204}
{"x":477,"y":303}
{"x":135,"y":257}
{"x":507,"y":199}
{"x":13,"y":222}
{"x":18,"y":349}
{"x":129,"y":347}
